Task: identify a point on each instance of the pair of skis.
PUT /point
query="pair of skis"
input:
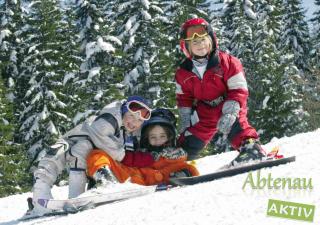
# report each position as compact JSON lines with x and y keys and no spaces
{"x":91,"y":199}
{"x":62,"y":207}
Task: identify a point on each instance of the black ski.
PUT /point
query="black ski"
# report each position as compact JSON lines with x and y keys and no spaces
{"x":232,"y":171}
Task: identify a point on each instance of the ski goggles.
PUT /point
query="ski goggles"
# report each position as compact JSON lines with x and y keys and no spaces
{"x":140,"y":109}
{"x":194,"y":32}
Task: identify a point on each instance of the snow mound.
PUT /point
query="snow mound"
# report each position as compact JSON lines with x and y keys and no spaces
{"x":222,"y":202}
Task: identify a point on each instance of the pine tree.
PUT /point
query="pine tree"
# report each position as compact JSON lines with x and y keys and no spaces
{"x":316,"y":37}
{"x":43,"y":106}
{"x":100,"y":78}
{"x":312,"y":97}
{"x":7,"y":36}
{"x":14,"y":177}
{"x":276,"y":105}
{"x":216,"y":16}
{"x":237,"y":23}
{"x":13,"y":162}
{"x":295,"y":33}
{"x":10,"y":22}
{"x":136,"y":24}
{"x":70,"y":49}
{"x":266,"y":35}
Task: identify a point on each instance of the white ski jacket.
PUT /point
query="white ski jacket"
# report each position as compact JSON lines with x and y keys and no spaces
{"x":104,"y":131}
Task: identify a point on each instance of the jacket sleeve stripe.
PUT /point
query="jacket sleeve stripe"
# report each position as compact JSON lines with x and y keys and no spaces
{"x":112,"y":120}
{"x":237,"y":81}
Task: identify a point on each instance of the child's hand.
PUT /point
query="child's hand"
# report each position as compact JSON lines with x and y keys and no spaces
{"x":230,"y":112}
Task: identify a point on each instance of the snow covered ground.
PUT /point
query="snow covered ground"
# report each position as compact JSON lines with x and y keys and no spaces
{"x":222,"y":202}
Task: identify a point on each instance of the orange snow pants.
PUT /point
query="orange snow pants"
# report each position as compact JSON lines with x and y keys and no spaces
{"x":158,"y":173}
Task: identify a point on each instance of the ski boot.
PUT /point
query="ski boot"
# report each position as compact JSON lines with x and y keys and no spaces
{"x":180,"y":174}
{"x":41,"y":192}
{"x":104,"y":177}
{"x":250,"y":150}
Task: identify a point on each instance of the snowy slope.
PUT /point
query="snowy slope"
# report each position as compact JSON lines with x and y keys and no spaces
{"x":221,"y":202}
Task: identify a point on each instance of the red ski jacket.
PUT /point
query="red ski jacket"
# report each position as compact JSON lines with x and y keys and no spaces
{"x":223,"y":76}
{"x":222,"y":80}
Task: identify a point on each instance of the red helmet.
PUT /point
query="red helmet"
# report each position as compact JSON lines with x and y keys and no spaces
{"x":195,"y":22}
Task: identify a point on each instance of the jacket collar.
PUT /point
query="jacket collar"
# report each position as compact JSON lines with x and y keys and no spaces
{"x":213,"y":61}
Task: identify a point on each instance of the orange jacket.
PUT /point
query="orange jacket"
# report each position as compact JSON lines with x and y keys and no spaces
{"x":159,"y":172}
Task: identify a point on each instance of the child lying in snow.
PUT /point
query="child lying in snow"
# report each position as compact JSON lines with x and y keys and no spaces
{"x":158,"y":137}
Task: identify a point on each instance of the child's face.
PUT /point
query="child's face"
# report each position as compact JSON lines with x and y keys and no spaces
{"x":131,"y":121}
{"x":200,"y":46}
{"x":157,"y":136}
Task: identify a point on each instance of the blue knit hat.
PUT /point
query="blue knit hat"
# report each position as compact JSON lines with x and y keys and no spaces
{"x":136,"y":98}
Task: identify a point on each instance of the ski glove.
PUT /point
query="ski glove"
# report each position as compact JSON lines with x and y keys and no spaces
{"x":185,"y":118}
{"x":230,"y":112}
